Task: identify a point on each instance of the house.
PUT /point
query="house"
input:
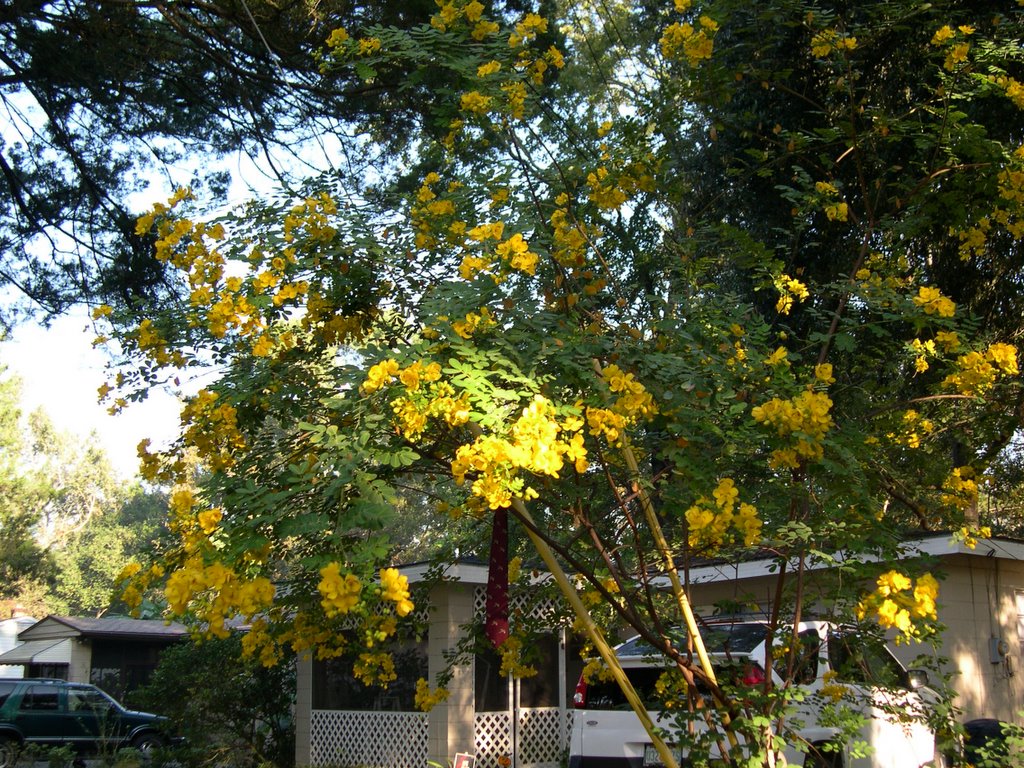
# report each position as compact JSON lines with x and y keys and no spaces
{"x":526,"y":723}
{"x":486,"y":714}
{"x":9,"y":631}
{"x":116,"y":654}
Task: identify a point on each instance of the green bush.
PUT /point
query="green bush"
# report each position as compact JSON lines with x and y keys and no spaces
{"x":232,"y":711}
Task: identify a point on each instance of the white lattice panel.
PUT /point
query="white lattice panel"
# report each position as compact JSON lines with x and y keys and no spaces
{"x":493,"y":738}
{"x":543,"y":737}
{"x":370,"y":739}
{"x":520,"y":603}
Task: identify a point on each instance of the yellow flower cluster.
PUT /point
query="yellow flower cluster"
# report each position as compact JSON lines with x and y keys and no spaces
{"x":898,"y":602}
{"x":212,"y":429}
{"x":527,"y":30}
{"x":215,"y":593}
{"x":533,"y":445}
{"x":452,"y":12}
{"x":428,"y":397}
{"x":134,"y":581}
{"x":426,"y":699}
{"x":339,"y":594}
{"x":609,"y":192}
{"x":715,"y":523}
{"x":696,"y":44}
{"x":960,"y":489}
{"x":970,"y":536}
{"x":633,"y":401}
{"x":380,"y":375}
{"x":412,"y":415}
{"x":395,"y":588}
{"x":914,"y":428}
{"x":153,"y":345}
{"x":311,"y":218}
{"x":475,"y":103}
{"x":337,"y":38}
{"x":955,"y":42}
{"x":828,"y":41}
{"x":977,"y":372}
{"x":375,"y":668}
{"x":474,"y":322}
{"x":835,"y":208}
{"x":932,"y":302}
{"x":806,"y":417}
{"x":512,"y":659}
{"x":570,"y":236}
{"x":258,"y":644}
{"x":1014,"y":90}
{"x":1010,"y":214}
{"x":516,"y":253}
{"x":789,"y":289}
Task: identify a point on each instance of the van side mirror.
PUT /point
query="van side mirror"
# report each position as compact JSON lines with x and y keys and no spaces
{"x":916,"y":679}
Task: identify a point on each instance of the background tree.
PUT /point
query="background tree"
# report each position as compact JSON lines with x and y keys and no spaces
{"x":229,"y":708}
{"x":88,"y":563}
{"x":24,"y":563}
{"x":70,"y":526}
{"x":552,"y":325}
{"x":102,"y":96}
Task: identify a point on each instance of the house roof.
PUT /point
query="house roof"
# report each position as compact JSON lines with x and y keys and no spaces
{"x":934,"y":545}
{"x":111,"y":628}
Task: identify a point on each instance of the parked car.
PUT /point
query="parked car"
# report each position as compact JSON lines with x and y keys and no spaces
{"x":606,"y":733}
{"x":59,"y":713}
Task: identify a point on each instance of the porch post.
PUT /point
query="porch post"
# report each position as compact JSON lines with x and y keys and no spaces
{"x":451,"y":724}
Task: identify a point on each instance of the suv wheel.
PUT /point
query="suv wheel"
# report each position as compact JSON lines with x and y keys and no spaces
{"x":9,"y":749}
{"x":819,"y":757}
{"x":146,"y":743}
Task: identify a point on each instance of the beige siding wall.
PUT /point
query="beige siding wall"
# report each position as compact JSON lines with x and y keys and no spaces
{"x":451,"y":727}
{"x":978,"y":605}
{"x":80,"y":660}
{"x":303,"y":710}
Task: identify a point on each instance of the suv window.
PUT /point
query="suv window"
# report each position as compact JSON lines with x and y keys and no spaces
{"x":40,"y":698}
{"x":741,"y":638}
{"x":80,"y":699}
{"x":5,"y":691}
{"x":606,"y":694}
{"x":859,"y":661}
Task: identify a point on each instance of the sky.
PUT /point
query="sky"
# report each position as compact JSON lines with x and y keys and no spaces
{"x":61,"y":371}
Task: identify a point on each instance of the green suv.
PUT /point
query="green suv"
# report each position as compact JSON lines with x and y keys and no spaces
{"x":59,"y":713}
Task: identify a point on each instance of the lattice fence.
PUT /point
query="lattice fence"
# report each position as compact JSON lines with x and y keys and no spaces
{"x":377,"y":739}
{"x":543,"y":737}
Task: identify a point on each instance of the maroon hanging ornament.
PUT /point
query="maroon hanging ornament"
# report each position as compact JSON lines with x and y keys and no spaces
{"x":496,"y":612}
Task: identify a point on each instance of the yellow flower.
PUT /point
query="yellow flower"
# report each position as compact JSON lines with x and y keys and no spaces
{"x":778,"y":357}
{"x":1005,"y":358}
{"x":932,"y":301}
{"x":942,"y":35}
{"x":823,"y":373}
{"x":337,"y":38}
{"x":395,"y":587}
{"x":368,"y":45}
{"x":340,"y":594}
{"x":488,"y":69}
{"x":210,"y":519}
{"x":475,"y":102}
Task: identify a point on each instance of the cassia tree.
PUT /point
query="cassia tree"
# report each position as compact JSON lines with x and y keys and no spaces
{"x":679,"y":286}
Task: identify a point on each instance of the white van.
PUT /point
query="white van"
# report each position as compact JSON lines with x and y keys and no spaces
{"x":606,"y":733}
